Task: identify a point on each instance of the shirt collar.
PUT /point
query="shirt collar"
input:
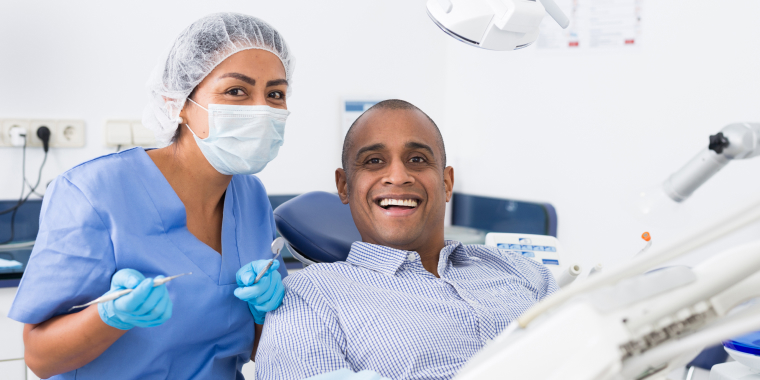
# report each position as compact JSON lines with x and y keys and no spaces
{"x":387,"y":260}
{"x":455,"y":252}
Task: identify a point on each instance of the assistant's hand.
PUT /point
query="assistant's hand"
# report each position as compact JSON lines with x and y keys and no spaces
{"x":265,"y":295}
{"x":346,"y":374}
{"x":146,"y":306}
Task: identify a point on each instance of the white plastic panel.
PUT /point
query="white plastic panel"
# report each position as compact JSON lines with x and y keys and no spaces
{"x":543,"y":249}
{"x":12,"y":346}
{"x":13,"y":370}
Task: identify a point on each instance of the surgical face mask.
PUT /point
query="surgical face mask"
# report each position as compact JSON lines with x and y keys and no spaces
{"x":242,"y":139}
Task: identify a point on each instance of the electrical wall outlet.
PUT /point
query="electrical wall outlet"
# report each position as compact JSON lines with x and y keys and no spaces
{"x":5,"y":129}
{"x":69,"y":133}
{"x":63,"y":133}
{"x":31,"y":136}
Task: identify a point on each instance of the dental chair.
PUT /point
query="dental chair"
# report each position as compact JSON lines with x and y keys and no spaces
{"x":319,"y":228}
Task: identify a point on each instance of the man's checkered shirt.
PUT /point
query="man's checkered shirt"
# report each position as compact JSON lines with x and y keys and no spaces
{"x":381,"y":310}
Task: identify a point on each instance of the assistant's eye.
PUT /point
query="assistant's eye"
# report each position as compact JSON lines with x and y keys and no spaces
{"x":417,"y":159}
{"x":374,"y":161}
{"x":279,"y":95}
{"x":237,"y":91}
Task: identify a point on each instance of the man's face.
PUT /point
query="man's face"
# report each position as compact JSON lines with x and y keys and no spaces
{"x":395,"y":183}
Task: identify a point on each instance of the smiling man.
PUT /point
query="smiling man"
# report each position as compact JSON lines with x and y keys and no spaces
{"x":406,"y":303}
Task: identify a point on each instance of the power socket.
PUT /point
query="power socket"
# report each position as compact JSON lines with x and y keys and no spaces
{"x":31,"y":137}
{"x":5,"y":129}
{"x":69,"y":134}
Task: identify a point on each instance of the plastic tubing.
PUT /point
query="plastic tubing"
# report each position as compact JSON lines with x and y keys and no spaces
{"x":646,"y":261}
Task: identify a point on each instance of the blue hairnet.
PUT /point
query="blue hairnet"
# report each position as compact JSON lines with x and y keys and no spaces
{"x":197,"y":51}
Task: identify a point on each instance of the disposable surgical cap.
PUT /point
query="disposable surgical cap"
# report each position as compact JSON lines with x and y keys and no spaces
{"x":197,"y":51}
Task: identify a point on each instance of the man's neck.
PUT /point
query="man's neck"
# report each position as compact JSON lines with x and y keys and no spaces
{"x":430,"y":255}
{"x":429,"y":249}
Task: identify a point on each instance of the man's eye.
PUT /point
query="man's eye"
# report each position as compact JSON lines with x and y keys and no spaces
{"x":374,"y":161}
{"x":277,"y":95}
{"x":417,"y":159}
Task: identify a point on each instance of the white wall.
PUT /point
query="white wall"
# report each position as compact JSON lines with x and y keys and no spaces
{"x":585,"y":130}
{"x":90,"y":59}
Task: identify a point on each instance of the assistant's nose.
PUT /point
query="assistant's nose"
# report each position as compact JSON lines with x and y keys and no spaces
{"x":398,"y":174}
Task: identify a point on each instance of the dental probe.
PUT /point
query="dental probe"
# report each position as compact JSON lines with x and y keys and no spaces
{"x":115,"y":295}
{"x":277,"y":245}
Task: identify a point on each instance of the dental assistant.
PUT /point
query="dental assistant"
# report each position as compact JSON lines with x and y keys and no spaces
{"x":219,"y":101}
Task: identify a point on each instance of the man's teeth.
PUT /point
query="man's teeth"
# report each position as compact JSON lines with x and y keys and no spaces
{"x":398,"y":202}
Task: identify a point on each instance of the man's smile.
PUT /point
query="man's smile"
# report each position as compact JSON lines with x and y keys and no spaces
{"x":397,"y":205}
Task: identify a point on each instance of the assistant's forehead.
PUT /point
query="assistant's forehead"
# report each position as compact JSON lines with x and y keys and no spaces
{"x":389,"y":126}
{"x":251,"y":62}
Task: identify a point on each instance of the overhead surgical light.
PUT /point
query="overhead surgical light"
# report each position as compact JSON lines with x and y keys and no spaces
{"x":494,"y":24}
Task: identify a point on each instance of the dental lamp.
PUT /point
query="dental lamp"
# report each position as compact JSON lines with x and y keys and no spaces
{"x":735,"y":141}
{"x":494,"y":24}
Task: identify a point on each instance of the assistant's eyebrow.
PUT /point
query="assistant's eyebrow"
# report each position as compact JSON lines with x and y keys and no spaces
{"x":416,"y":145}
{"x":239,"y":76}
{"x":373,"y":147}
{"x":277,"y":82}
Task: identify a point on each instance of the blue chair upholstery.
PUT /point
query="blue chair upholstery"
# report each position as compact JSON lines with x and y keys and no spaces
{"x":503,"y":215}
{"x":318,"y":226}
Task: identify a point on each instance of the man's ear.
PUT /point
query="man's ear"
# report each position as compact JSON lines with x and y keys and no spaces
{"x":341,"y":182}
{"x":448,"y":182}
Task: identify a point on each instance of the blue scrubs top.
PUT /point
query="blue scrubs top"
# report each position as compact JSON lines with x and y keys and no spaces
{"x":118,"y":211}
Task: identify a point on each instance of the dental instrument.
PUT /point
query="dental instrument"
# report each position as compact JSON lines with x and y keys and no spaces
{"x":115,"y":295}
{"x":277,"y":246}
{"x":735,"y":141}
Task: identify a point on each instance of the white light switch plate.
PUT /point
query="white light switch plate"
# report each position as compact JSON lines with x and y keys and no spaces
{"x":142,"y":136}
{"x":118,"y":133}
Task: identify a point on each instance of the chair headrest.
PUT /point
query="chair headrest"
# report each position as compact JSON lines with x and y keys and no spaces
{"x":318,"y":225}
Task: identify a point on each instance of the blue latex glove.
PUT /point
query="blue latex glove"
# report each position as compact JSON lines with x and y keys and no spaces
{"x":146,"y":306}
{"x":265,"y":295}
{"x":346,"y":374}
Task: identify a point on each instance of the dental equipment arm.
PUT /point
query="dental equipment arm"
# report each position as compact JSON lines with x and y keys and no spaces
{"x":622,"y":325}
{"x":735,"y":141}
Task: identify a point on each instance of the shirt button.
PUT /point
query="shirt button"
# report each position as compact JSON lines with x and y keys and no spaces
{"x":410,"y":257}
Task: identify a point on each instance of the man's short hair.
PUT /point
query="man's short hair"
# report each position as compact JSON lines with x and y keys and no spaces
{"x":390,"y":104}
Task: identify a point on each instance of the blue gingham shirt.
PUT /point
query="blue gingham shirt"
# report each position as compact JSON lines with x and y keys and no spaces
{"x":381,"y":310}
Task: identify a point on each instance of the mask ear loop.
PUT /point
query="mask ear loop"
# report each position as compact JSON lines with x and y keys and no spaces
{"x":188,"y":126}
{"x":197,"y":104}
